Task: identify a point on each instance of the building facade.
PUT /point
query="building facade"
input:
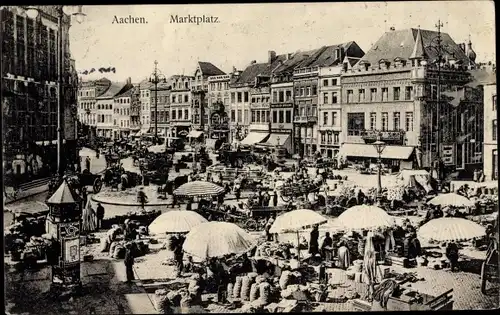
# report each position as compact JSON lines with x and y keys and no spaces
{"x":87,"y":93}
{"x":29,"y":84}
{"x":108,"y":119}
{"x":135,"y":110}
{"x":121,"y":112}
{"x":490,"y":167}
{"x":162,"y":105}
{"x":392,"y":92}
{"x":145,"y":99}
{"x":218,"y":107}
{"x":180,"y":106}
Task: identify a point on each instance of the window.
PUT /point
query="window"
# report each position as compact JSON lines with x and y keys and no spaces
{"x":350,"y":94}
{"x":334,"y":118}
{"x":494,"y":129}
{"x":409,"y":121}
{"x":329,"y":139}
{"x":433,"y":92}
{"x":495,"y":164}
{"x":186,"y":98}
{"x":385,"y":91}
{"x":325,"y":98}
{"x":302,"y":91}
{"x":246,"y":96}
{"x":325,"y":82}
{"x":373,"y":121}
{"x":275,"y":117}
{"x":232,"y":97}
{"x":334,"y":81}
{"x":179,"y":114}
{"x":373,"y":95}
{"x":281,"y":96}
{"x":186,"y":114}
{"x":315,"y":90}
{"x":335,"y":138}
{"x":240,"y":119}
{"x":308,"y":89}
{"x":253,"y":117}
{"x":325,"y":118}
{"x":281,"y":117}
{"x":253,"y":99}
{"x":494,"y":103}
{"x":355,"y":123}
{"x":397,"y":121}
{"x":334,"y":97}
{"x":323,"y":135}
{"x":233,"y":115}
{"x":173,"y":99}
{"x":396,"y":92}
{"x":408,"y":93}
{"x":288,"y":116}
{"x":288,"y":96}
{"x":239,"y":97}
{"x":385,"y":121}
{"x":246,"y":115}
{"x":361,"y":95}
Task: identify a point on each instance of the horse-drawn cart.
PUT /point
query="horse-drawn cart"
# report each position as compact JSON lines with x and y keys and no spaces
{"x":289,"y":191}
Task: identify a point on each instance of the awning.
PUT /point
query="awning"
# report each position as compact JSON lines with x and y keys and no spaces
{"x":276,"y":139}
{"x":254,"y":137}
{"x":142,"y":131}
{"x":195,"y":134}
{"x":396,"y":152}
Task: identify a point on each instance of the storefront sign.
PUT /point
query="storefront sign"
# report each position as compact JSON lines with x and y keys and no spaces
{"x":384,"y":135}
{"x":278,"y":130}
{"x":282,"y":105}
{"x":448,"y":154}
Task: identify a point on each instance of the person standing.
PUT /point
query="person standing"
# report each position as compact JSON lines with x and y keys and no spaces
{"x":452,"y":255}
{"x":275,"y":198}
{"x":99,"y":215}
{"x":327,"y":247}
{"x":129,"y":263}
{"x":87,"y":163}
{"x":313,"y":242}
{"x":179,"y":255}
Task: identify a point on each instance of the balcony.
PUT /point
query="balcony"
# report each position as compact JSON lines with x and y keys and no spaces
{"x":306,"y":71}
{"x":305,"y":119}
{"x":372,"y":135}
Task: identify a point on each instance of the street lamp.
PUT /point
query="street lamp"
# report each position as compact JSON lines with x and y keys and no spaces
{"x":155,"y":78}
{"x":76,"y":11}
{"x":379,"y":147}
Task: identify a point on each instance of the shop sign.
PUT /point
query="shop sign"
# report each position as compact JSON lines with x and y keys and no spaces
{"x":448,"y":154}
{"x":278,"y":130}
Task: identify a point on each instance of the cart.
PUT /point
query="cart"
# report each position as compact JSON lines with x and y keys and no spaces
{"x":489,"y":269}
{"x":294,"y":190}
{"x":260,"y":215}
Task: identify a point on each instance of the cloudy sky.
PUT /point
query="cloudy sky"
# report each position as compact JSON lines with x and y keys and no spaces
{"x":246,"y":32}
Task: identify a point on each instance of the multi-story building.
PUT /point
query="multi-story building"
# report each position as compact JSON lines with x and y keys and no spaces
{"x":107,"y":119}
{"x":87,"y":93}
{"x":135,"y":110}
{"x":180,"y":106}
{"x":329,"y":109}
{"x":199,"y":90}
{"x":490,"y":151}
{"x":218,"y":108}
{"x":121,"y":112}
{"x":162,"y":106}
{"x":392,"y":93}
{"x":29,"y":98}
{"x":145,"y":99}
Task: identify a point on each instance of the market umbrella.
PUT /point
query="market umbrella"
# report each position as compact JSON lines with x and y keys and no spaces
{"x":296,"y":220}
{"x":451,"y":229}
{"x":451,"y":199}
{"x":364,"y":217}
{"x":176,"y":221}
{"x":157,"y":148}
{"x":216,"y":239}
{"x":198,"y":189}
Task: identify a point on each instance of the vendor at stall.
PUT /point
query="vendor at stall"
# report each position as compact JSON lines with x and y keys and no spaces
{"x":452,"y":255}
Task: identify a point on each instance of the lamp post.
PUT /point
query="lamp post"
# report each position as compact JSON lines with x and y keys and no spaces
{"x":33,"y":12}
{"x":379,"y":147}
{"x":155,"y":78}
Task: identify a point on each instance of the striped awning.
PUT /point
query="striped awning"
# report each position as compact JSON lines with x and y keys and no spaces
{"x":199,"y":189}
{"x":254,"y":137}
{"x":395,"y":152}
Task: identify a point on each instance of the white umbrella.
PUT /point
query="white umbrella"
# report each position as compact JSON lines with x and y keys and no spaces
{"x":451,"y":229}
{"x":217,"y":239}
{"x":199,"y":189}
{"x":84,"y":152}
{"x":296,"y":220}
{"x":451,"y":199}
{"x":176,"y":221}
{"x":365,"y":217}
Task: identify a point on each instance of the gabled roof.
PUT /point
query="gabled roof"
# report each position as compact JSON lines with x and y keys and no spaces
{"x":63,"y":195}
{"x":209,"y":69}
{"x":113,"y":90}
{"x":324,"y":56}
{"x":145,"y":84}
{"x":482,"y":77}
{"x":251,"y":72}
{"x":401,"y":43}
{"x":126,"y":92}
{"x":290,"y":64}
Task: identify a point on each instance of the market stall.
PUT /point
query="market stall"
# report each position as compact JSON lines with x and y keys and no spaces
{"x":175,"y":221}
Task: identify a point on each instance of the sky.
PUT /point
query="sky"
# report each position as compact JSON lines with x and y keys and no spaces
{"x":246,"y":32}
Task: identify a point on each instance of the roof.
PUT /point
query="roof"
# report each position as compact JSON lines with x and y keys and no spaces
{"x":418,"y":48}
{"x":181,"y":76}
{"x":63,"y":195}
{"x":288,"y":65}
{"x":208,"y":69}
{"x":482,"y":77}
{"x":248,"y":75}
{"x":324,"y":56}
{"x":113,"y":90}
{"x":401,"y":43}
{"x":126,"y":93}
{"x":145,"y":84}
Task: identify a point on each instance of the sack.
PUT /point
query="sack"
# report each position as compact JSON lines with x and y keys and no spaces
{"x":285,"y":279}
{"x":161,"y":301}
{"x":186,"y":300}
{"x":174,"y":297}
{"x":245,"y":288}
{"x":254,"y":292}
{"x":112,"y":249}
{"x":230,"y":288}
{"x":265,"y":293}
{"x":237,"y":287}
{"x":104,"y":245}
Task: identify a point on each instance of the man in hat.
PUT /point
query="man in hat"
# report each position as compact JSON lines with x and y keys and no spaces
{"x":99,"y":215}
{"x":129,"y":262}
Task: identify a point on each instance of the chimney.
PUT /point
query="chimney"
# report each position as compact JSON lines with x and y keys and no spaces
{"x":129,"y":81}
{"x":392,"y":28}
{"x":337,"y":53}
{"x":288,"y":56}
{"x":342,"y":53}
{"x":271,"y":56}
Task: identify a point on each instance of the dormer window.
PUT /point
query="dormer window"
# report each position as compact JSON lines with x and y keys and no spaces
{"x":399,"y":62}
{"x":365,"y":65}
{"x":384,"y":64}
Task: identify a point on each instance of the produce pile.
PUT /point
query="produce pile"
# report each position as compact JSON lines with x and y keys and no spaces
{"x":272,"y":249}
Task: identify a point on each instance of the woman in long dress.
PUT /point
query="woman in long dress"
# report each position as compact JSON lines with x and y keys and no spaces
{"x":344,"y":256}
{"x":371,"y":273}
{"x":88,"y":218}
